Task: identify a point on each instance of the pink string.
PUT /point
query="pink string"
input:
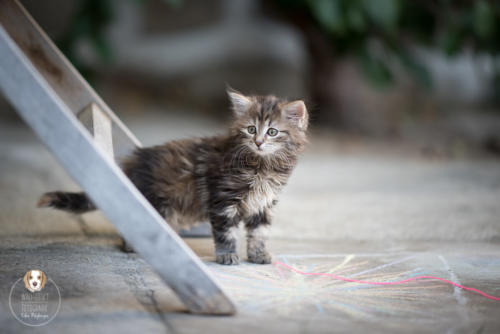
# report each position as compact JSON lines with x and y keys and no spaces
{"x":389,"y":283}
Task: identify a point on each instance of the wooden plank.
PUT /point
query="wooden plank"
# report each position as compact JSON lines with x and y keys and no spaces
{"x":58,"y":72}
{"x":100,"y":127}
{"x":134,"y":217}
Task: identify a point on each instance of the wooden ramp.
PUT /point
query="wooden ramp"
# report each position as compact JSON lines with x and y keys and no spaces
{"x":87,"y":138}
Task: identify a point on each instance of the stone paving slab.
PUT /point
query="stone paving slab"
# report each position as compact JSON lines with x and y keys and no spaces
{"x":105,"y":290}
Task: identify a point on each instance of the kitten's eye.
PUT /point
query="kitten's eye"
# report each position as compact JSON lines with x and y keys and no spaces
{"x":272,"y":132}
{"x":251,"y":129}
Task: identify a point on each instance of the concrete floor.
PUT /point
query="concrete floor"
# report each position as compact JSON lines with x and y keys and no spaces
{"x":363,"y":210}
{"x":104,"y":290}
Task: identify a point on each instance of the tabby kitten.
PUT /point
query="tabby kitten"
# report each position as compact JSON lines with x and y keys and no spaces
{"x":225,"y":179}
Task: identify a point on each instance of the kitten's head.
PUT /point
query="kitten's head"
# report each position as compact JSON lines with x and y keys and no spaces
{"x":269,"y":125}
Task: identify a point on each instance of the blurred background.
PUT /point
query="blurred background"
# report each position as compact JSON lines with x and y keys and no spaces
{"x":424,"y":72}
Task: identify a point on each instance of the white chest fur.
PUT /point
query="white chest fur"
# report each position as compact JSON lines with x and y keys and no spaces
{"x":263,"y":191}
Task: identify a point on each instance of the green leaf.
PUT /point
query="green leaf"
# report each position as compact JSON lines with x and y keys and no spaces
{"x":356,"y":19}
{"x":375,"y":69}
{"x":383,"y":12}
{"x":328,"y":14}
{"x":102,"y":48}
{"x":452,"y":41}
{"x":484,"y":19}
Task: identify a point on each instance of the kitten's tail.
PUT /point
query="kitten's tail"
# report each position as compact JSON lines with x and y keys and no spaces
{"x":71,"y":202}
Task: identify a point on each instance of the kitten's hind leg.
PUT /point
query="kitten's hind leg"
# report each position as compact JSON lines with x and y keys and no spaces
{"x":225,"y":233}
{"x":257,"y":227}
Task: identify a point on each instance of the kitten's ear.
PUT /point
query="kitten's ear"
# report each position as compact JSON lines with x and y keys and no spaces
{"x":239,"y":101}
{"x":296,"y":113}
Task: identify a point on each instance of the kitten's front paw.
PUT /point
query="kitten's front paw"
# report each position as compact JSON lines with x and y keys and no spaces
{"x":261,"y":257}
{"x":228,"y":259}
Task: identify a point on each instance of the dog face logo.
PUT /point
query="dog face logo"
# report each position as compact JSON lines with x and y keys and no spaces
{"x":34,"y":280}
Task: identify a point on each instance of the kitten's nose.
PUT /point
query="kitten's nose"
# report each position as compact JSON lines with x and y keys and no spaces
{"x":258,"y":143}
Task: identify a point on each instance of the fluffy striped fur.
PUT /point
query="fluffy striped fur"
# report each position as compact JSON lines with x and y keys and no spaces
{"x":226,"y":179}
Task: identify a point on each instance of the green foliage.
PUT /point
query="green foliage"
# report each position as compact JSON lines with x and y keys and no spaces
{"x":379,"y":33}
{"x":89,"y":23}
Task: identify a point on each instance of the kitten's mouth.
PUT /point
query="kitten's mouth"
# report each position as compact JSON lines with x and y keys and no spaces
{"x":259,"y":150}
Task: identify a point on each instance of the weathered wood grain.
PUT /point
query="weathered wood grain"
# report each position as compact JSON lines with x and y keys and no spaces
{"x":99,"y":125}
